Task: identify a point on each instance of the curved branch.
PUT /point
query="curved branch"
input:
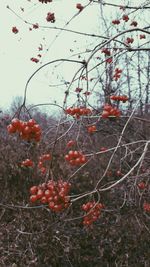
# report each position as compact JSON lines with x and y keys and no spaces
{"x":43,"y":66}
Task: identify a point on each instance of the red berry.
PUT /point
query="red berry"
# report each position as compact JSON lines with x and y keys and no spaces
{"x":105,"y":114}
{"x":36,"y":128}
{"x":125,"y":18}
{"x":33,"y":198}
{"x":77,"y":161}
{"x":36,"y":60}
{"x":106,"y":51}
{"x":67,"y":157}
{"x":72,"y":162}
{"x":134,"y":23}
{"x":11,"y":129}
{"x":78,"y":90}
{"x":47,"y":193}
{"x":16,"y":123}
{"x":43,"y":200}
{"x":15,"y":30}
{"x":40,"y":193}
{"x":46,"y":157}
{"x":80,"y":7}
{"x":40,"y":164}
{"x":107,"y":107}
{"x":109,"y":60}
{"x":83,"y":160}
{"x":51,"y":205}
{"x":71,"y":153}
{"x":142,"y":36}
{"x":92,"y":129}
{"x":146,"y":206}
{"x":141,"y":185}
{"x":43,"y":170}
{"x":35,"y":26}
{"x":116,"y":21}
{"x":50,"y":17}
{"x":31,"y":122}
{"x":119,"y":173}
{"x":33,"y":190}
{"x":129,"y":40}
{"x":71,"y":143}
{"x":76,"y":154}
{"x":57,"y":207}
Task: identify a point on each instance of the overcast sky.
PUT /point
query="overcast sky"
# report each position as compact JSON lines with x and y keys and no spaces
{"x":17,"y":49}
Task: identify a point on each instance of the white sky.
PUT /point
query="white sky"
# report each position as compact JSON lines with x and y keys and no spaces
{"x":17,"y":49}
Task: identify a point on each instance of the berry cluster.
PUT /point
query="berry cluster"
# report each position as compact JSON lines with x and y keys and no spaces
{"x":34,"y":59}
{"x":110,"y":111}
{"x":50,"y":17}
{"x":15,"y":30}
{"x":106,"y":51}
{"x":42,"y":159}
{"x":45,"y":1}
{"x":125,"y":18}
{"x":27,"y":163}
{"x":122,"y":98}
{"x":134,"y":23}
{"x":93,"y":212}
{"x":109,"y":60}
{"x":129,"y":40}
{"x":87,"y":93}
{"x":55,"y":194}
{"x":91,"y":129}
{"x":78,"y":90}
{"x":35,"y":26}
{"x":75,"y":157}
{"x":142,"y":36}
{"x":80,"y":7}
{"x":117,"y":74}
{"x":29,"y":130}
{"x":78,"y":111}
{"x":116,"y":21}
{"x":146,"y":206}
